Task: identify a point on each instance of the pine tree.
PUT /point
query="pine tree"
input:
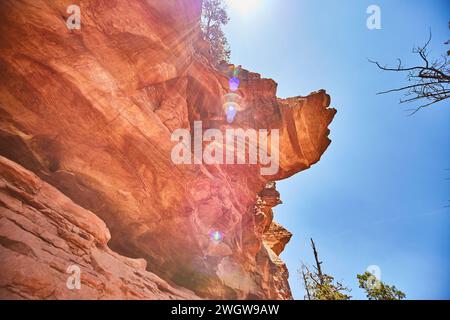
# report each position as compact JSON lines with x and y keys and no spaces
{"x":377,"y":290}
{"x":214,"y":17}
{"x":321,"y":286}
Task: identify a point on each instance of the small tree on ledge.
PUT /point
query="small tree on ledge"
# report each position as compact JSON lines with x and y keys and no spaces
{"x":320,"y":286}
{"x":377,"y":290}
{"x":214,"y":17}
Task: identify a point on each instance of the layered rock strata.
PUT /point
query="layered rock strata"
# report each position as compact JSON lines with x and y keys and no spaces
{"x":91,"y":113}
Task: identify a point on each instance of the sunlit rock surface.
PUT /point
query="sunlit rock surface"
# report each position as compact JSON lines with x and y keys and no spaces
{"x":43,"y":235}
{"x":91,"y":113}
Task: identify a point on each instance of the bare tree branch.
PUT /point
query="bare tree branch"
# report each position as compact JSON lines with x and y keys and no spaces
{"x":305,"y":281}
{"x":321,"y":286}
{"x":430,"y":82}
{"x":318,"y":263}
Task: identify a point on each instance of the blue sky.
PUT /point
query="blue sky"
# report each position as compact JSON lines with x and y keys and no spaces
{"x":379,"y":194}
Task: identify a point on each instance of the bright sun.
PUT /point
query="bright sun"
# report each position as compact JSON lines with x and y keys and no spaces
{"x":243,"y":6}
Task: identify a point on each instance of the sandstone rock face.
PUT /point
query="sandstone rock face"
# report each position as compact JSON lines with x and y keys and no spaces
{"x":91,"y":112}
{"x":276,"y":238}
{"x":43,"y":235}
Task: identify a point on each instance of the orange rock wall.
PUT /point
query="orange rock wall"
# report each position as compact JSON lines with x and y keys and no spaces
{"x":90,"y":113}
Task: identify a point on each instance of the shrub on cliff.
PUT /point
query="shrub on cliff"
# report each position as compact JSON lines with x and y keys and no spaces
{"x":378,"y":290}
{"x":214,"y":17}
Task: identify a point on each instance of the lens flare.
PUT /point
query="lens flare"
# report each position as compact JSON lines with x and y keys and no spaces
{"x":234,"y":84}
{"x":231,"y":106}
{"x":231,"y":113}
{"x":236,"y":72}
{"x":216,"y":236}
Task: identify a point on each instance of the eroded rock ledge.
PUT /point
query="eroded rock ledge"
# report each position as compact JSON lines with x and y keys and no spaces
{"x":43,"y":233}
{"x":90,"y":113}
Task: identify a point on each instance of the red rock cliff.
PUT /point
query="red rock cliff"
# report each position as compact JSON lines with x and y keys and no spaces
{"x":86,"y":118}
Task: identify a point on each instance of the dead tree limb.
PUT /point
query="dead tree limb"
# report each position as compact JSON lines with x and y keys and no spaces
{"x":430,"y":81}
{"x":318,"y":263}
{"x":305,"y":281}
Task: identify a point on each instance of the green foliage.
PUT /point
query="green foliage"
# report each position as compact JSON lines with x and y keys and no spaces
{"x":320,"y":286}
{"x":323,"y":287}
{"x":214,"y":17}
{"x":377,"y":290}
